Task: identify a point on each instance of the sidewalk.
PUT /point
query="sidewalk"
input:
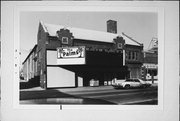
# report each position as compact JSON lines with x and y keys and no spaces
{"x":37,"y":95}
{"x":71,"y":88}
{"x":87,"y":88}
{"x":60,"y":96}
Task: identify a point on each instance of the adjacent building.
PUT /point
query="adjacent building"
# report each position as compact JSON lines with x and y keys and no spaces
{"x":150,"y":65}
{"x":133,"y":51}
{"x":30,"y":69}
{"x":73,"y":57}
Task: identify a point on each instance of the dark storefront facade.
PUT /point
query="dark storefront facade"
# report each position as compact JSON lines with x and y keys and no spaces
{"x":73,"y":57}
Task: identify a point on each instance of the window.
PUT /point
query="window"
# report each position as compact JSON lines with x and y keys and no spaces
{"x":64,"y":40}
{"x":119,"y":45}
{"x":136,"y":80}
{"x":136,"y":56}
{"x":131,"y":55}
{"x":129,"y":80}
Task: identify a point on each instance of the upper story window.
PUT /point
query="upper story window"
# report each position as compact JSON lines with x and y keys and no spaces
{"x":119,"y":45}
{"x":64,"y":40}
{"x":136,"y":55}
{"x":132,"y":55}
{"x":129,"y":55}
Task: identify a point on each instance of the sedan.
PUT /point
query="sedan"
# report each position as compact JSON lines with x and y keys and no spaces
{"x":130,"y":83}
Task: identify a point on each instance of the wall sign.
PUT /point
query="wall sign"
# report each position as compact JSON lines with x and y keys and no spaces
{"x":71,"y":55}
{"x":151,"y":66}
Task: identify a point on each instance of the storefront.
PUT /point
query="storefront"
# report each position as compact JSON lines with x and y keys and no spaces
{"x":151,"y":71}
{"x":79,"y":71}
{"x":150,"y":65}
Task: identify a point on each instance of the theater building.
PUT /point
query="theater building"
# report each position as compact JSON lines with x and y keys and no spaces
{"x":73,"y":57}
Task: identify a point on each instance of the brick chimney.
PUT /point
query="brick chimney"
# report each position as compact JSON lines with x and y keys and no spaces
{"x":112,"y":26}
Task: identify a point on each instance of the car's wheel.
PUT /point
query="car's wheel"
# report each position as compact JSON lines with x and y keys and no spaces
{"x":127,"y":86}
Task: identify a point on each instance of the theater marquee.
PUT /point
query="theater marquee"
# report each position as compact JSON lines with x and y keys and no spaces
{"x":71,"y":55}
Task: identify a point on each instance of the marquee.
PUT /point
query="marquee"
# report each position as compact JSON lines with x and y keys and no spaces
{"x":71,"y":55}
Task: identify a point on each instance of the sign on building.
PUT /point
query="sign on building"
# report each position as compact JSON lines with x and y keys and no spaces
{"x":151,"y":66}
{"x":71,"y":55}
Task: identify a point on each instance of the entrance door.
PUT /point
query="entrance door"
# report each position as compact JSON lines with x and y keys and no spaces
{"x":80,"y":81}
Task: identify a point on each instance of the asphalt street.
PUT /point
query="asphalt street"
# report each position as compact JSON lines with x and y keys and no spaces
{"x":90,"y":95}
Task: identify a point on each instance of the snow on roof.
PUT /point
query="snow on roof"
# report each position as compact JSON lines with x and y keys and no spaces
{"x":86,"y":34}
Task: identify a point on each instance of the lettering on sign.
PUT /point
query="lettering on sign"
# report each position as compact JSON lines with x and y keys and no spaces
{"x":71,"y":52}
{"x":151,"y":66}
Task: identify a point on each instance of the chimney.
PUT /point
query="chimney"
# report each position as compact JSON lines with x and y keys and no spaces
{"x":112,"y":26}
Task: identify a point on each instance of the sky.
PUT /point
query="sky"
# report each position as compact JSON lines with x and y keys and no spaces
{"x":140,"y":26}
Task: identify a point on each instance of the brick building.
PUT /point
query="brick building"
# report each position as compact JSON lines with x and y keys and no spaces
{"x":133,"y":51}
{"x":72,"y":57}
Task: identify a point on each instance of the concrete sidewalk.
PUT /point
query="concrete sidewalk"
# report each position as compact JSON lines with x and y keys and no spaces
{"x":67,"y":89}
{"x":38,"y":94}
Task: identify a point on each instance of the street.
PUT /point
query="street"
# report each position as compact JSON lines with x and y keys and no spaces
{"x":90,"y":95}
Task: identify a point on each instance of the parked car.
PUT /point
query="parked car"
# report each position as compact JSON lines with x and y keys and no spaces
{"x":130,"y":83}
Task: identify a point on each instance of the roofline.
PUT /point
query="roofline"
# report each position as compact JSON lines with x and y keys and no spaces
{"x":69,"y":27}
{"x":145,"y":51}
{"x":30,"y":53}
{"x":86,"y":39}
{"x":115,"y":34}
{"x":44,"y":27}
{"x":132,"y":39}
{"x":150,"y":50}
{"x":94,"y":41}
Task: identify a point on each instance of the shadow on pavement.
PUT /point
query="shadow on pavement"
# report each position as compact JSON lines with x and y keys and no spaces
{"x":39,"y":94}
{"x":56,"y":97}
{"x":30,"y":84}
{"x":27,"y":85}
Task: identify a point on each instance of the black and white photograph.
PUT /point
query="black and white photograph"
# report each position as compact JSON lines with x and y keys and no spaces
{"x":87,"y":61}
{"x":95,"y":58}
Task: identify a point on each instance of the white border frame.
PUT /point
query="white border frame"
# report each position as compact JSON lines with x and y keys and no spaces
{"x":170,"y":111}
{"x":90,"y":8}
